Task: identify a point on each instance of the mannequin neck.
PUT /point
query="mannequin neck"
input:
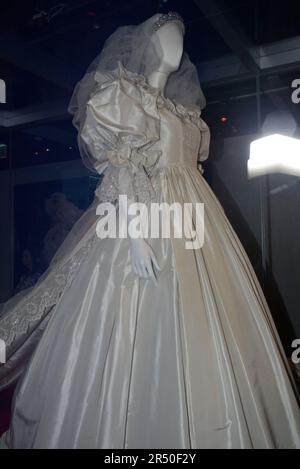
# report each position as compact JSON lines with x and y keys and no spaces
{"x":158,"y":80}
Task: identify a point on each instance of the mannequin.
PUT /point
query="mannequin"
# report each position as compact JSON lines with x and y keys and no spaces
{"x":168,"y":41}
{"x":197,"y":357}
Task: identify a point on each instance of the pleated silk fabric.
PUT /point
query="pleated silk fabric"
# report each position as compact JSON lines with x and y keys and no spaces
{"x":194,"y":362}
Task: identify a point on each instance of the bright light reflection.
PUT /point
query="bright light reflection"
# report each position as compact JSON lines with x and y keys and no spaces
{"x":274,"y":154}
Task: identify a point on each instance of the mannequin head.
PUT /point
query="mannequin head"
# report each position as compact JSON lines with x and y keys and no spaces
{"x":168,"y":42}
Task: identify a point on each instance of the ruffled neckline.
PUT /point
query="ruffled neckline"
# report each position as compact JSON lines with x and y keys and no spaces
{"x":192,"y":114}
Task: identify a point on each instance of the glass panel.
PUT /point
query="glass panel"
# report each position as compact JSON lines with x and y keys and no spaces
{"x":50,"y":192}
{"x":232,"y":116}
{"x":284,"y":205}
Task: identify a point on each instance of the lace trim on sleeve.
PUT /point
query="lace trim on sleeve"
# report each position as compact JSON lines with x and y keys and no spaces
{"x":128,"y":173}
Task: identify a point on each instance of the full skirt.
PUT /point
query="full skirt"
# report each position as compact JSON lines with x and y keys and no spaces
{"x":194,"y":362}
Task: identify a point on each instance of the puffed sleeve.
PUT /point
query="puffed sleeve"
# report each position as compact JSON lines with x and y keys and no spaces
{"x":121,"y":125}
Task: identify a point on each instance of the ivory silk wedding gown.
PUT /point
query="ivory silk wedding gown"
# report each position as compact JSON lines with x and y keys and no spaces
{"x":194,"y":362}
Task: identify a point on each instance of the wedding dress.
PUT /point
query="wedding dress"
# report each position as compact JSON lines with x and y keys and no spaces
{"x":118,"y":362}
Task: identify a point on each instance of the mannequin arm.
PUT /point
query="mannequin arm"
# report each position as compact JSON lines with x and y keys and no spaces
{"x":143,"y":257}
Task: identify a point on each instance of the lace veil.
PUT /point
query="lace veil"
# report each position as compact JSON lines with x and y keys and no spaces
{"x":133,"y":48}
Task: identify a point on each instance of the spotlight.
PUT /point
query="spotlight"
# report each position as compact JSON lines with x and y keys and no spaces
{"x":278,"y":151}
{"x":274,"y":154}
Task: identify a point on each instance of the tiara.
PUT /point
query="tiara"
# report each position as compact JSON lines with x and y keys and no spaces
{"x":167,"y":18}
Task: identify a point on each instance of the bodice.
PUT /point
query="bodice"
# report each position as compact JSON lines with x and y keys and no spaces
{"x":180,"y":140}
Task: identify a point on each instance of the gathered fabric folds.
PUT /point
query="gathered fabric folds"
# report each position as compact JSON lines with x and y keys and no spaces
{"x":118,"y":362}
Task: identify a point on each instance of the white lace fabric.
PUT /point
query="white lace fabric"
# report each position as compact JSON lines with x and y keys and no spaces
{"x":31,"y":310}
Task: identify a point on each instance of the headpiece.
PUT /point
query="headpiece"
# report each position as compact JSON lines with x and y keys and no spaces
{"x":167,"y":18}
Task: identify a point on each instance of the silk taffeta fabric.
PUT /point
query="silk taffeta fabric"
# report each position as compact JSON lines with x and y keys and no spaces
{"x":118,"y":362}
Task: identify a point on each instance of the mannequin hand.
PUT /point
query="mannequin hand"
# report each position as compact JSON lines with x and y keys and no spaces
{"x":143,"y":259}
{"x":200,"y":168}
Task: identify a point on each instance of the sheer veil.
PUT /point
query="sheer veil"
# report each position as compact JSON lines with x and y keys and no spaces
{"x":132,"y":47}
